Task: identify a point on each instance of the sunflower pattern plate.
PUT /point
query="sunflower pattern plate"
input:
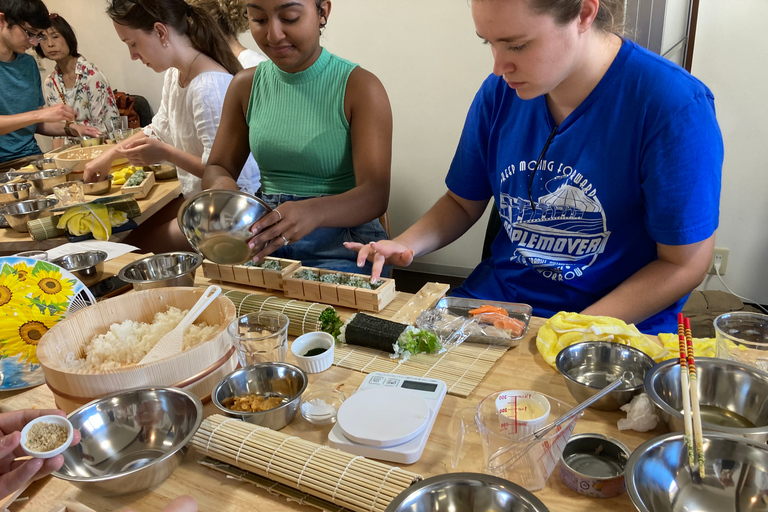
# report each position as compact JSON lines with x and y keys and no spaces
{"x":34,"y":295}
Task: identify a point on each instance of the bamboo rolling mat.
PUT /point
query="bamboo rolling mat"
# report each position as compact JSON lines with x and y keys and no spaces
{"x":461,"y":368}
{"x":346,"y":480}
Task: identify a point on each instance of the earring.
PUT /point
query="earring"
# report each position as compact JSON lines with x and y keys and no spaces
{"x":166,"y":44}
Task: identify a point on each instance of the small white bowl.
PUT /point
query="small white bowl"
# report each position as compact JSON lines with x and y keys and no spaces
{"x":58,"y":420}
{"x":309,"y":341}
{"x":521,"y":412}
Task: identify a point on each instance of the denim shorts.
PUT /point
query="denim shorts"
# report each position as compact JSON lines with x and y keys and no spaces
{"x":323,"y":247}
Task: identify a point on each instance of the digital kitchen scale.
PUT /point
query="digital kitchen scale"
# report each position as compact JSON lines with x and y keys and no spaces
{"x":389,"y":417}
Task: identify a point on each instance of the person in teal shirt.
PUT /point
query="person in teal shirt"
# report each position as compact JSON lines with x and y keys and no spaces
{"x":21,"y":27}
{"x":320,"y":128}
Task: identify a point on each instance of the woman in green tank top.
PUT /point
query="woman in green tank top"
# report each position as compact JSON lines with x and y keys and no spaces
{"x":320,"y":129}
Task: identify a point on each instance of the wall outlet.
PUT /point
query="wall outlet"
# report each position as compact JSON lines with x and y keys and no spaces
{"x":720,"y":255}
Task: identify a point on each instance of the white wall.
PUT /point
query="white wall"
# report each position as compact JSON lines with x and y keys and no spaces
{"x":431,"y":62}
{"x":730,"y":56}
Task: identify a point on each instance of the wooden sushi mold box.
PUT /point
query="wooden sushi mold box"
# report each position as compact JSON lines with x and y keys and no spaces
{"x":340,"y":295}
{"x":251,"y":276}
{"x":141,"y":190}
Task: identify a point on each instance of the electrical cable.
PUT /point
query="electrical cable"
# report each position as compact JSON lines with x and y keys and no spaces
{"x":717,"y":271}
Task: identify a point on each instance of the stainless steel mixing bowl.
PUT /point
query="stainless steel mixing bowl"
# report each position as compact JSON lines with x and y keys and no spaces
{"x":45,"y":180}
{"x":162,"y":270}
{"x":659,"y":478}
{"x":131,"y":440}
{"x":590,"y":366}
{"x":217,"y":224}
{"x":13,"y":192}
{"x":18,"y":214}
{"x":732,"y":396}
{"x":265,"y":379}
{"x":82,"y":264}
{"x":466,"y":492}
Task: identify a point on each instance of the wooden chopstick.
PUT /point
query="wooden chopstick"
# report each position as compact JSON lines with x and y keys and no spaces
{"x":684,"y":386}
{"x":695,"y":398}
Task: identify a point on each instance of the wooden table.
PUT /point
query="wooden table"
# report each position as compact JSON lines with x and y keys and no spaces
{"x":520,"y":368}
{"x":162,"y":193}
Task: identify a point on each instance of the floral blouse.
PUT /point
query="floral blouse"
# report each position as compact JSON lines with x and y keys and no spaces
{"x":91,"y":97}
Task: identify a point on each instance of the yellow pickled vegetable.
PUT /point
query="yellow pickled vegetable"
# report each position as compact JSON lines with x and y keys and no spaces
{"x":121,"y":176}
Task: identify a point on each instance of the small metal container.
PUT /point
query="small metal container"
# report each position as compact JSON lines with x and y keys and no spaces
{"x":265,"y":379}
{"x":162,"y":171}
{"x":45,"y":180}
{"x":44,"y":163}
{"x":590,"y":366}
{"x":593,"y":465}
{"x":162,"y":270}
{"x":13,"y":192}
{"x":18,"y":214}
{"x":97,"y":188}
{"x":82,"y":264}
{"x":87,"y":141}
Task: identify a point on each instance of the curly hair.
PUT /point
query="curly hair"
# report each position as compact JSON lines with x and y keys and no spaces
{"x":229,"y":14}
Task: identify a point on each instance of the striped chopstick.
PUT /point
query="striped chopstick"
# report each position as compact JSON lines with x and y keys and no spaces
{"x":59,"y":91}
{"x":684,"y":386}
{"x":694,"y":398}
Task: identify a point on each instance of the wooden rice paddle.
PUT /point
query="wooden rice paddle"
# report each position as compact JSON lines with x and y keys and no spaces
{"x":695,"y":399}
{"x":684,"y":386}
{"x":173,"y":342}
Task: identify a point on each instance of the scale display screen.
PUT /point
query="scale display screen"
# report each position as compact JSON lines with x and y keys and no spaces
{"x":420,"y":386}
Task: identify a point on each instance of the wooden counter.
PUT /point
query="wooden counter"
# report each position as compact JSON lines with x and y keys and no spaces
{"x":520,"y":368}
{"x":164,"y":192}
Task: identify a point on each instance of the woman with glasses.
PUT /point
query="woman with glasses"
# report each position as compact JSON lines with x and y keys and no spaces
{"x":603,"y":158}
{"x":182,"y":41}
{"x":22,"y":23}
{"x":75,"y":81}
{"x":320,"y":128}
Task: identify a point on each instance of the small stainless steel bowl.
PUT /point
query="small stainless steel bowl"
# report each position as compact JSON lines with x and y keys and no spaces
{"x":732,"y":396}
{"x":82,"y":264}
{"x":131,"y":440}
{"x":14,"y":192}
{"x":466,"y":492}
{"x":162,"y":171}
{"x":264,"y":379}
{"x":45,"y":180}
{"x":659,"y":477}
{"x":590,"y":366}
{"x":593,"y":465}
{"x":217,"y":224}
{"x":97,"y":188}
{"x":18,"y":214}
{"x":162,"y":270}
{"x":87,"y":141}
{"x":45,"y":163}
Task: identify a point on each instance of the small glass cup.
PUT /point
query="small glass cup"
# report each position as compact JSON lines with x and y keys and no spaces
{"x":320,"y":407}
{"x":748,"y":337}
{"x":260,"y":337}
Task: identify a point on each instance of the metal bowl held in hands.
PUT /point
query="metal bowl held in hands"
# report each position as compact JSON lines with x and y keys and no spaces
{"x":13,"y":192}
{"x":466,"y":492}
{"x":732,"y":396}
{"x":217,"y":224}
{"x":162,"y":270}
{"x":97,"y":188}
{"x":590,"y":366}
{"x":659,"y":478}
{"x":18,"y":214}
{"x":131,"y":440}
{"x":266,"y":379}
{"x":82,"y":264}
{"x":45,"y":180}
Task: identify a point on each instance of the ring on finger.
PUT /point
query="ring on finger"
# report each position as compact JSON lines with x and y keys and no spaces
{"x":285,"y":240}
{"x":279,"y":215}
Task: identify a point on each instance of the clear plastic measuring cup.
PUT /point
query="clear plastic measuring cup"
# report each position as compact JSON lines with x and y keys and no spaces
{"x":519,"y":461}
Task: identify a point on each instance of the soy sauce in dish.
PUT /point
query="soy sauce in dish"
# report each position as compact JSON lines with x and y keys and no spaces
{"x":315,"y":351}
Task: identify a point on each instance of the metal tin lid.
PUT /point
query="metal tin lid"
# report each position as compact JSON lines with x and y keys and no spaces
{"x":595,"y":455}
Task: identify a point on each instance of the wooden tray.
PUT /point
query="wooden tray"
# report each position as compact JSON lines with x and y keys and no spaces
{"x":337,"y":294}
{"x":141,"y":190}
{"x":251,"y":276}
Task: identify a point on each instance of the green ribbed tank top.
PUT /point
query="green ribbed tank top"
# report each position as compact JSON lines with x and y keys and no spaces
{"x":298,"y":132}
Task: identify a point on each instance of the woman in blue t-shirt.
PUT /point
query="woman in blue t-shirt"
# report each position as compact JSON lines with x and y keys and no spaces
{"x":604,"y":161}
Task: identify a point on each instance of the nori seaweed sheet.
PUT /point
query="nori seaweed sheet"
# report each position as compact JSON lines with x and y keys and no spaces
{"x":373,"y":332}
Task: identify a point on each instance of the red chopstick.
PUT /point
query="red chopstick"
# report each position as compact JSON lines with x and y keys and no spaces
{"x":694,"y":398}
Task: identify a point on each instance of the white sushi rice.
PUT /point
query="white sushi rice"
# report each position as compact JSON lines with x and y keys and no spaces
{"x":126,"y":343}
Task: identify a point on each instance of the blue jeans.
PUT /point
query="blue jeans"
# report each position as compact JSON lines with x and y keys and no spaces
{"x":323,"y":247}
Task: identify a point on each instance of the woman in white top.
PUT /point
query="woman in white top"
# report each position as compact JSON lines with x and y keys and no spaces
{"x":183,"y":41}
{"x":233,"y":20}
